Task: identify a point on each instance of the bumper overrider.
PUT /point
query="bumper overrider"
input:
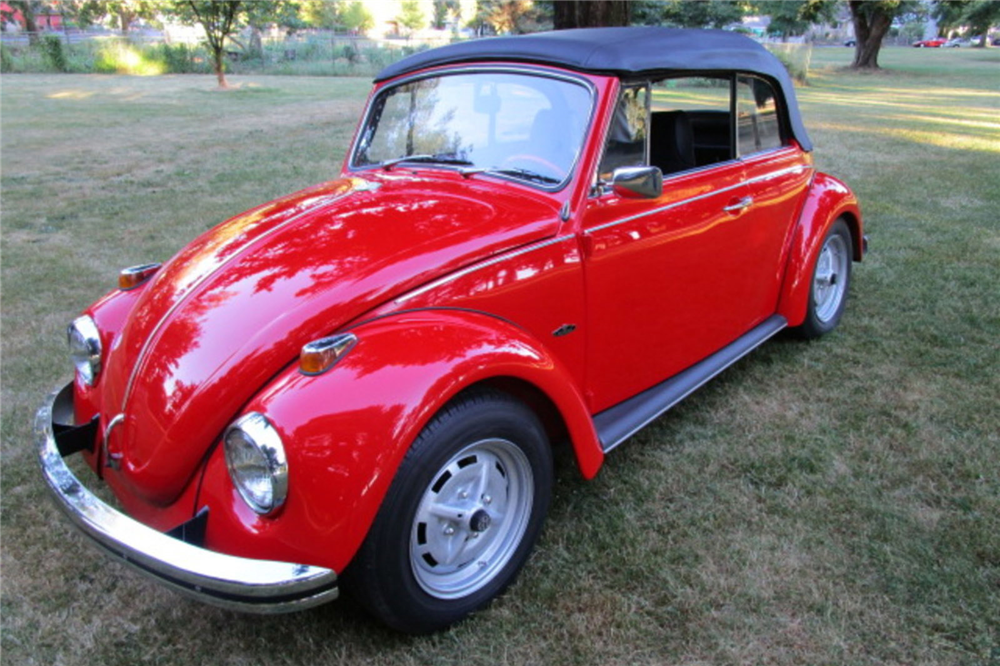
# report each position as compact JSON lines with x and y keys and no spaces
{"x":249,"y":585}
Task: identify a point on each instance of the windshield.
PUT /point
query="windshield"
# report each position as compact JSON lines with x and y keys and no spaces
{"x":517,"y":125}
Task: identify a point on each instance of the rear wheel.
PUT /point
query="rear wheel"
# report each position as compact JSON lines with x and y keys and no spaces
{"x":830,"y":282}
{"x":460,"y":518}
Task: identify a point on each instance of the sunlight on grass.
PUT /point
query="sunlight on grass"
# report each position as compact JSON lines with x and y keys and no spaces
{"x":72,"y":94}
{"x":947,"y":140}
{"x":967,"y":122}
{"x":121,"y":58}
{"x":988,"y":144}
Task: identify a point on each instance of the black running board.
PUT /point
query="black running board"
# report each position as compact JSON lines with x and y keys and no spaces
{"x":616,"y":424}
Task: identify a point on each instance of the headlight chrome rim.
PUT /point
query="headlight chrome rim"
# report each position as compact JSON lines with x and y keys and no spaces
{"x":255,"y":458}
{"x":85,"y":348}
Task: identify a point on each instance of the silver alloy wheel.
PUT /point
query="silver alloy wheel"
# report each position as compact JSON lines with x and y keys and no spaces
{"x":830,"y":278}
{"x":471,"y":518}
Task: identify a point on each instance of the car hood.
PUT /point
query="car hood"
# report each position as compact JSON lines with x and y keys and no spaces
{"x":234,"y":307}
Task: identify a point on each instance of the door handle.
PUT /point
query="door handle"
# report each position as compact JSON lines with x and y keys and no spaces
{"x":745,"y":202}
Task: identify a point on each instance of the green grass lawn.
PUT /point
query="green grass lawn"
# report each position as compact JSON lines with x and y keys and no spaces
{"x":827,"y":502}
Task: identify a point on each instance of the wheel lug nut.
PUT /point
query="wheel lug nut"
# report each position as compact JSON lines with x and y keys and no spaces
{"x":487,"y":499}
{"x":449,"y":531}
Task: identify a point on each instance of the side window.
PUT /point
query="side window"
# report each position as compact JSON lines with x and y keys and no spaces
{"x":690,"y":124}
{"x":757,"y":126}
{"x":627,"y":137}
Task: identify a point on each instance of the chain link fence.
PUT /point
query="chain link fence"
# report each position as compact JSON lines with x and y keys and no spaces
{"x":304,"y":53}
{"x":311,"y":53}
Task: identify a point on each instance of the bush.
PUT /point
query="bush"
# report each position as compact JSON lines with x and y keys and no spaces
{"x":795,"y":58}
{"x":6,"y":59}
{"x":52,"y":48}
{"x":177,"y":58}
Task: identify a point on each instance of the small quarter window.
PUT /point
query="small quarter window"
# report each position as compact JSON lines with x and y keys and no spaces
{"x":757,"y":126}
{"x":627,"y":136}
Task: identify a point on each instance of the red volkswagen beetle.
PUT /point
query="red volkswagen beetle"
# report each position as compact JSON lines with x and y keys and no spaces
{"x":533,"y":239}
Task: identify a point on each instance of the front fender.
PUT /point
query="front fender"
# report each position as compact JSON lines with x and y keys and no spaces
{"x":346,"y":431}
{"x":828,"y":200}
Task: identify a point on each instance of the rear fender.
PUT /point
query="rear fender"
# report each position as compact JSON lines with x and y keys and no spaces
{"x":347,"y":430}
{"x":828,"y":200}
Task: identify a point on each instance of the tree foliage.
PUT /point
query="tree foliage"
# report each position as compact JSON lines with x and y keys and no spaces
{"x":949,"y":14}
{"x":220,"y":19}
{"x":795,"y":18}
{"x":508,"y":16}
{"x":706,"y":14}
{"x":981,"y":15}
{"x":356,"y":17}
{"x":411,"y":16}
{"x":320,"y":14}
{"x":443,"y":10}
{"x":123,"y":12}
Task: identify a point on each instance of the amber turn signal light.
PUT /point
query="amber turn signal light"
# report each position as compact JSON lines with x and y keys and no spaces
{"x":320,"y":355}
{"x":133,"y":276}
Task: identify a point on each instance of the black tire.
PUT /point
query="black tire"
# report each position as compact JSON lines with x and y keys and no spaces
{"x":485,"y":461}
{"x":830,"y":284}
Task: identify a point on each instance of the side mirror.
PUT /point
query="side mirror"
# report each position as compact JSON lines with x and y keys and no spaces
{"x":637,"y":182}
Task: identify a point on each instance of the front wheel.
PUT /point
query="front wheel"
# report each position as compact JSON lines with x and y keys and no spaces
{"x":830,"y":281}
{"x":460,"y":518}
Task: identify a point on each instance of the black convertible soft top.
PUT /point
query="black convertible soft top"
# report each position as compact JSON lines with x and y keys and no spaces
{"x":625,"y":52}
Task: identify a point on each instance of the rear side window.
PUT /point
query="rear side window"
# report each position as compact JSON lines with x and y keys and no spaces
{"x":683,"y":123}
{"x":757,"y":125}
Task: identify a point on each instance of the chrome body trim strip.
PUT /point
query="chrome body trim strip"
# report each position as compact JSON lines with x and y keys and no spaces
{"x":419,"y":291}
{"x":676,"y":204}
{"x":237,"y":583}
{"x":141,"y":358}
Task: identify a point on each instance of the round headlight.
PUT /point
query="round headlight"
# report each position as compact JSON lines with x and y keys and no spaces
{"x":85,"y":348}
{"x":256,"y":460}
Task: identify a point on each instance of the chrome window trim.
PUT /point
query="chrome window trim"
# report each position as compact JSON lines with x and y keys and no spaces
{"x":757,"y":179}
{"x":419,"y":291}
{"x":539,"y":71}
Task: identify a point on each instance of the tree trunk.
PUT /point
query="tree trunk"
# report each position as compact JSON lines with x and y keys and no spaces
{"x":590,"y":13}
{"x":28,"y":14}
{"x":125,"y":19}
{"x":218,"y":56}
{"x":218,"y":19}
{"x":870,"y":26}
{"x":256,"y":43}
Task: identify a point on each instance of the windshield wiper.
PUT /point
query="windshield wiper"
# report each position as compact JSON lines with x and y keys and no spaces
{"x":434,"y":159}
{"x":526,"y":174}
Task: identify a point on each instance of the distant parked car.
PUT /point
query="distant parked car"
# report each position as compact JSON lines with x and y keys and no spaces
{"x":851,"y":42}
{"x":957,"y":42}
{"x":929,"y":43}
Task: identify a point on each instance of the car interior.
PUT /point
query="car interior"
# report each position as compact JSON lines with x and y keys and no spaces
{"x":690,"y":124}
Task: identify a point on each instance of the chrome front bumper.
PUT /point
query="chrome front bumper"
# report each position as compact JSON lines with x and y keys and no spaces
{"x":257,"y":586}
